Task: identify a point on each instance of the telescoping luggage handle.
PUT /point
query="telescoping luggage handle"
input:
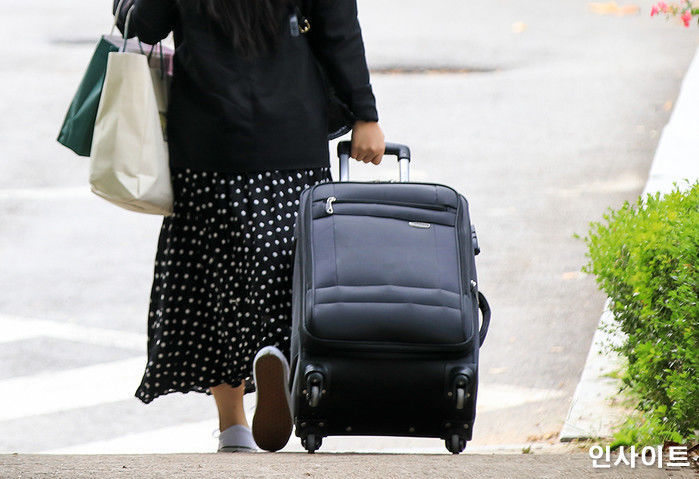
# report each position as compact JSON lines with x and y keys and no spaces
{"x":402,"y":152}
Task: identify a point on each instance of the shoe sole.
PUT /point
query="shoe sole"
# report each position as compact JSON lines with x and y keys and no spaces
{"x":272,"y":423}
{"x":236,"y":449}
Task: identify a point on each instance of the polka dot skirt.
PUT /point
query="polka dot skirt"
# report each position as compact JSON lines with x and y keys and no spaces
{"x":222,"y":280}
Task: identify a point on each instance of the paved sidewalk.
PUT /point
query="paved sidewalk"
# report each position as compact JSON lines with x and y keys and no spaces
{"x":325,"y":466}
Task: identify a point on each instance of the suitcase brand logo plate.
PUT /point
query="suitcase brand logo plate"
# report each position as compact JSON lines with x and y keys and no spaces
{"x":418,"y":224}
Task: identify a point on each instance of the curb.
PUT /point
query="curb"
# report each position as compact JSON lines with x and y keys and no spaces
{"x":591,"y":413}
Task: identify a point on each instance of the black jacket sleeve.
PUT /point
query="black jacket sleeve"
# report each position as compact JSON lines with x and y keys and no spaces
{"x":151,"y":20}
{"x":336,"y":39}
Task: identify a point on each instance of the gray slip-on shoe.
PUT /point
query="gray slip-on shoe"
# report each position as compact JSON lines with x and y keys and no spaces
{"x":236,"y":438}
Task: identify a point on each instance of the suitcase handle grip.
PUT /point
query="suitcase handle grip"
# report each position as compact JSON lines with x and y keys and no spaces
{"x":402,"y":152}
{"x":485,"y":311}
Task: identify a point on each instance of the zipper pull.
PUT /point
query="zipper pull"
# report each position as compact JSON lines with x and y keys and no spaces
{"x":329,"y":205}
{"x":298,"y":23}
{"x":306,"y":25}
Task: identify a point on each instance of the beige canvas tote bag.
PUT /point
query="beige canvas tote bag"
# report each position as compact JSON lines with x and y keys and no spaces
{"x":129,"y":163}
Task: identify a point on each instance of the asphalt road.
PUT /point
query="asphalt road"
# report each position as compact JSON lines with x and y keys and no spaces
{"x":542,"y":113}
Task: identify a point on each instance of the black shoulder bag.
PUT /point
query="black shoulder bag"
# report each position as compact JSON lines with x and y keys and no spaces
{"x":340,"y":117}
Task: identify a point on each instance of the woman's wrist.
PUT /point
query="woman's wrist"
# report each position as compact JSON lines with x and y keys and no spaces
{"x":367,"y":142}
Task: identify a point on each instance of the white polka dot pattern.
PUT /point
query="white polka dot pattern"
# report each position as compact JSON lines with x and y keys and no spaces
{"x":222,"y":280}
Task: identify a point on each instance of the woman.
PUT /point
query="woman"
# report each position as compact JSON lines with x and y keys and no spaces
{"x":247,"y":132}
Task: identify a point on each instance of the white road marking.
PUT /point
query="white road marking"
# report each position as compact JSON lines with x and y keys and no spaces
{"x":49,"y":192}
{"x":56,"y":391}
{"x":14,"y":328}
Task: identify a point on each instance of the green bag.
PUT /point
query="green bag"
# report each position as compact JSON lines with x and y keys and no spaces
{"x":76,"y":132}
{"x":79,"y":123}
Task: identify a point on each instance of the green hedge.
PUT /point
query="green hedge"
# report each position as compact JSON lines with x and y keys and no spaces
{"x":645,"y":258}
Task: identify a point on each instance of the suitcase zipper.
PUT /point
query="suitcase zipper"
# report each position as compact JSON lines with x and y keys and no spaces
{"x":331,"y":199}
{"x":329,"y":205}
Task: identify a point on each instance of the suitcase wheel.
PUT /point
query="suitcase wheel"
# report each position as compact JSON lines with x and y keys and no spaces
{"x":455,"y":444}
{"x":314,"y":396}
{"x":460,"y":391}
{"x":311,"y":442}
{"x":460,"y":397}
{"x":314,"y":388}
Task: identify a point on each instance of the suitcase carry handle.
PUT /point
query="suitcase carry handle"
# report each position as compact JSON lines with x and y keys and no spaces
{"x":402,"y":152}
{"x":485,"y":311}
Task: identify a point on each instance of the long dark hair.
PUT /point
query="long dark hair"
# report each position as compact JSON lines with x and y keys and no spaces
{"x":253,"y":26}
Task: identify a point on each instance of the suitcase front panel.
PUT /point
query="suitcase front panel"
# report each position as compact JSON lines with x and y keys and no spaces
{"x":365,"y":251}
{"x":383,"y":278}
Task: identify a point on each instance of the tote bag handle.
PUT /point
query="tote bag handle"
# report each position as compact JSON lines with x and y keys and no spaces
{"x":127,"y":21}
{"x":116,"y":16}
{"x":126,"y":29}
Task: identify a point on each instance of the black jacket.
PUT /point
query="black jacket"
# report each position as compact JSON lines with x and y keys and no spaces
{"x":232,"y":114}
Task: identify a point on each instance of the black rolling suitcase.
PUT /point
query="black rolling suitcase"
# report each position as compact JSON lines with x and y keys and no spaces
{"x":385,"y":310}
